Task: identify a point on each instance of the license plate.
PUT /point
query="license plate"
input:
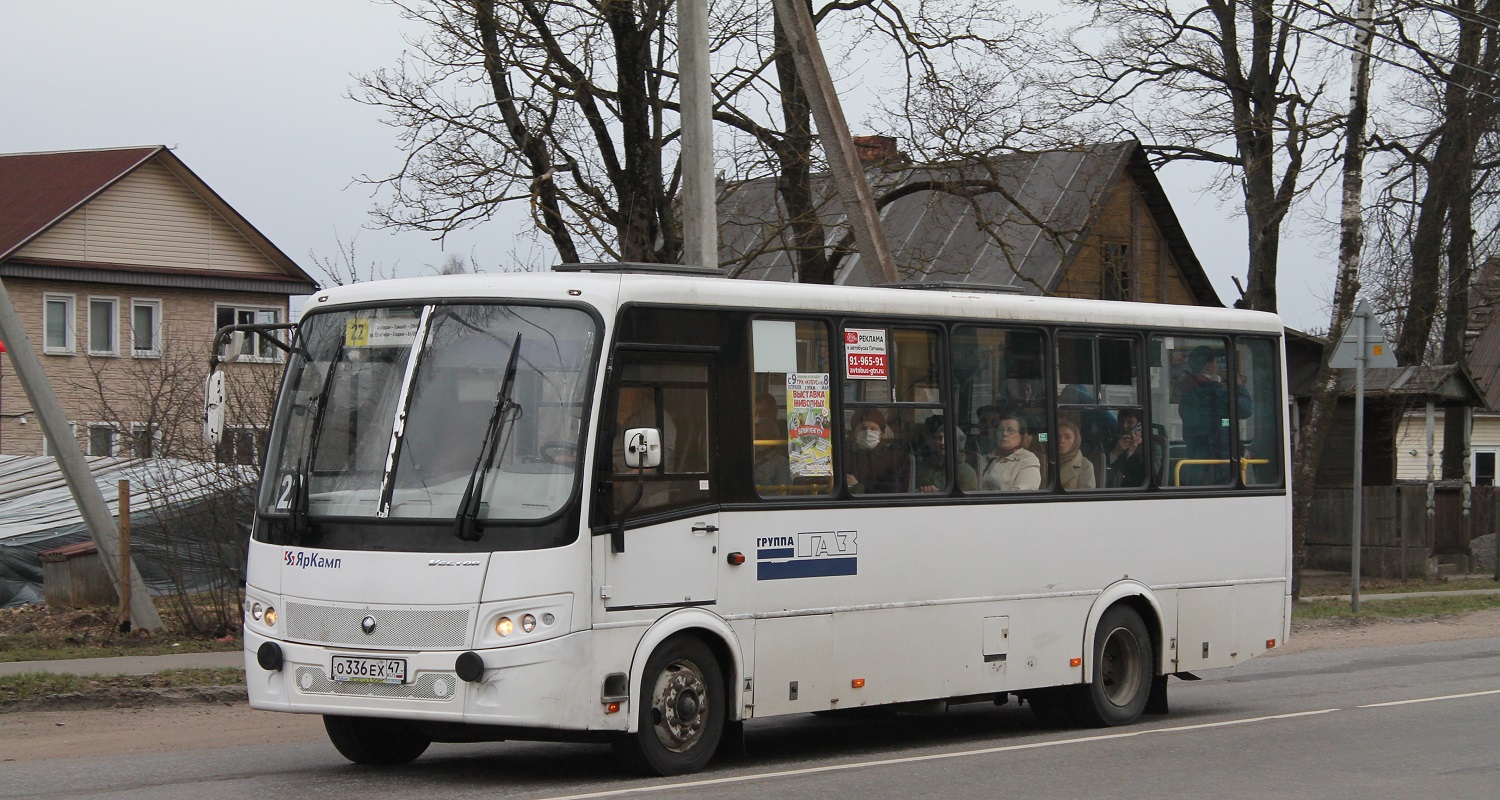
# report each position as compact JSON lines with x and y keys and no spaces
{"x":358,"y":669}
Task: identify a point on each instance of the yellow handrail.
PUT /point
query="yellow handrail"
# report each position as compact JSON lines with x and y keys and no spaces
{"x":1244,"y":463}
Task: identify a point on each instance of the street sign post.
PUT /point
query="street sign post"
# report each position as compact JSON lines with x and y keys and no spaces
{"x":1363,"y":344}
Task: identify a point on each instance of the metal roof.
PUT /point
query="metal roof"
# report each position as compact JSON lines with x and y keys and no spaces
{"x":35,"y":501}
{"x":1017,"y":220}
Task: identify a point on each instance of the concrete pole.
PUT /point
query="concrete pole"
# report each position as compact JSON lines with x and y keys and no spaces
{"x":700,"y":223}
{"x":838,"y":145}
{"x":48,"y":410}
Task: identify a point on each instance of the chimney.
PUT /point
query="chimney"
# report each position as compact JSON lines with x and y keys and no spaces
{"x":876,"y":150}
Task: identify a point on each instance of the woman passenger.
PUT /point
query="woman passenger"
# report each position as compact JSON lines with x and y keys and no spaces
{"x":1011,"y":467}
{"x":1073,"y":470}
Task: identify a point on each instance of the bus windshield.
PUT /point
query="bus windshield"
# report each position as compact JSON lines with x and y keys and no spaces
{"x":386,"y":411}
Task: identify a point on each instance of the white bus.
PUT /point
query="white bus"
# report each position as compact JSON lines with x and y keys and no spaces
{"x":607,"y":504}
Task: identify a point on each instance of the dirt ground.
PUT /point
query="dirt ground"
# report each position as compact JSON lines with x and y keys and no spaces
{"x":36,"y":735}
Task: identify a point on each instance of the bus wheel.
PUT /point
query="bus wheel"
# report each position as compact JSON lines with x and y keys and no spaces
{"x":681,"y":711}
{"x":1122,"y":671}
{"x":379,"y":742}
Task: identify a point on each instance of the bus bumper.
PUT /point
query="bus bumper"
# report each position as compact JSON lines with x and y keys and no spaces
{"x":544,"y":685}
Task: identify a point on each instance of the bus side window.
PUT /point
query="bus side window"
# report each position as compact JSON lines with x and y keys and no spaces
{"x":1260,"y":424}
{"x":792,"y":428}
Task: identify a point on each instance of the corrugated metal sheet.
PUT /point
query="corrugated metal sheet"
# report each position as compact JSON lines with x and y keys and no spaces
{"x":34,"y":498}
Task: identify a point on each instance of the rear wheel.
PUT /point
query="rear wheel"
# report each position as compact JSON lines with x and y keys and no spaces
{"x":681,"y":711}
{"x":1122,"y":671}
{"x":378,"y":742}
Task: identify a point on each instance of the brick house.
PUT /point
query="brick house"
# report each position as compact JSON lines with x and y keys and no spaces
{"x":1091,"y":222}
{"x":121,"y":264}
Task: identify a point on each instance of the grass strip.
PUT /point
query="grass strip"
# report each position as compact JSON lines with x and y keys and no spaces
{"x":1406,"y":608}
{"x":38,"y":685}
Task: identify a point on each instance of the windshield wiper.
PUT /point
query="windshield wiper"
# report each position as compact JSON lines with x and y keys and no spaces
{"x":301,"y":521}
{"x":466,"y":526}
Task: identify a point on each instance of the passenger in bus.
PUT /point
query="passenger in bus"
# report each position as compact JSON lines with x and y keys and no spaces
{"x":1127,"y":460}
{"x":982,"y":443}
{"x":1074,"y":471}
{"x":772,"y":459}
{"x":1011,"y":467}
{"x":932,"y":460}
{"x":1204,"y":405}
{"x":874,"y":465}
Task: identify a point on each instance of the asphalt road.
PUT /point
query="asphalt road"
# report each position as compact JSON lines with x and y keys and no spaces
{"x":1407,"y":721}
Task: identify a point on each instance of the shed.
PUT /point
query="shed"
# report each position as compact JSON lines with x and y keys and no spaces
{"x":73,"y":577}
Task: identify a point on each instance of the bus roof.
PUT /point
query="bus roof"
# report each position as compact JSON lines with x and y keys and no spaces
{"x":608,"y":291}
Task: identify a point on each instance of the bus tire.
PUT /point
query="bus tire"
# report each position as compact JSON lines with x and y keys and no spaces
{"x":681,"y":710}
{"x":377,"y":742}
{"x":1123,"y":669}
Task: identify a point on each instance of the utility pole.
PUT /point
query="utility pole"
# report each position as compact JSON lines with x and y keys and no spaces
{"x":838,"y":145}
{"x":700,"y":219}
{"x":96,"y":516}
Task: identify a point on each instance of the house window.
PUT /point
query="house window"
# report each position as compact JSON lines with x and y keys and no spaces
{"x":241,"y":446}
{"x":1114,"y":270}
{"x":48,"y":449}
{"x":145,"y":328}
{"x":57,"y":333}
{"x":1483,"y":468}
{"x":145,"y":440}
{"x":254,"y":346}
{"x":102,"y":439}
{"x":104,"y":325}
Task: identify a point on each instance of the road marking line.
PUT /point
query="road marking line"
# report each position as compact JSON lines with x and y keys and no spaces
{"x":885,"y":762}
{"x":1431,"y":699}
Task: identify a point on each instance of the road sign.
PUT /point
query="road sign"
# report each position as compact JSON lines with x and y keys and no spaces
{"x":1377,"y":348}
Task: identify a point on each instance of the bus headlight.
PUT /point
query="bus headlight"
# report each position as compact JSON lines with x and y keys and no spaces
{"x":528,"y":623}
{"x":504,"y":626}
{"x":271,"y":616}
{"x":256,"y":611}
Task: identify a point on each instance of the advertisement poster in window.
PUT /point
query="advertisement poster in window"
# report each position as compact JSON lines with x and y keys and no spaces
{"x":809,"y":440}
{"x":865,"y":354}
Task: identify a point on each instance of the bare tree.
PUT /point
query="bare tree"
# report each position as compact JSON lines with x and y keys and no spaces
{"x":571,"y":109}
{"x":1233,"y":83}
{"x":200,"y":498}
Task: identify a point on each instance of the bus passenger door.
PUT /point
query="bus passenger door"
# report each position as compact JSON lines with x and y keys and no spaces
{"x":668,"y":553}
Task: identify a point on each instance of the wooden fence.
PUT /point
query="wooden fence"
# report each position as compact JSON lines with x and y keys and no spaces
{"x":1400,"y":538}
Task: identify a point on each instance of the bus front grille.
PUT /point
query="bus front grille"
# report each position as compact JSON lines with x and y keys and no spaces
{"x":427,"y":686}
{"x":406,"y":629}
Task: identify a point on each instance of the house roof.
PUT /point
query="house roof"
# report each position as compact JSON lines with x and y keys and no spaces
{"x":1014,"y":221}
{"x":40,"y":190}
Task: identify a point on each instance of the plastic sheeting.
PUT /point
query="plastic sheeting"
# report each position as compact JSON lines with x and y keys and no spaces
{"x":190,"y":521}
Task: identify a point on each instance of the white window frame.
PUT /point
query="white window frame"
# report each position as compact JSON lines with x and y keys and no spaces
{"x":252,"y":348}
{"x":70,"y":337}
{"x":114,"y":326}
{"x":1474,"y":453}
{"x":155,"y":306}
{"x":114,"y":438}
{"x":47,"y":443}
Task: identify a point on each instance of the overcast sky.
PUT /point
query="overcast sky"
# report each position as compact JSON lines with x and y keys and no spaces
{"x":251,"y":96}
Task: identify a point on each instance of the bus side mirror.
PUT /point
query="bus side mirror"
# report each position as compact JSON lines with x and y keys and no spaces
{"x":213,"y":409}
{"x":642,"y":448}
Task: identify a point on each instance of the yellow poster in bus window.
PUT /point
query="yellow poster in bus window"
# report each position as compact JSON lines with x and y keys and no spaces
{"x":808,"y":419}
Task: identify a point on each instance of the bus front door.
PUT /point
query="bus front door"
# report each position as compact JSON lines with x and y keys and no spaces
{"x":668,"y":553}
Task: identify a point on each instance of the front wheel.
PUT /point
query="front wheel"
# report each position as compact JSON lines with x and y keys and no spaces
{"x":681,"y":711}
{"x":1123,"y":667}
{"x":378,"y":742}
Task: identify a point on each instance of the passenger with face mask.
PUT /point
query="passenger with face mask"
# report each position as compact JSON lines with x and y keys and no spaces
{"x":871,"y":464}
